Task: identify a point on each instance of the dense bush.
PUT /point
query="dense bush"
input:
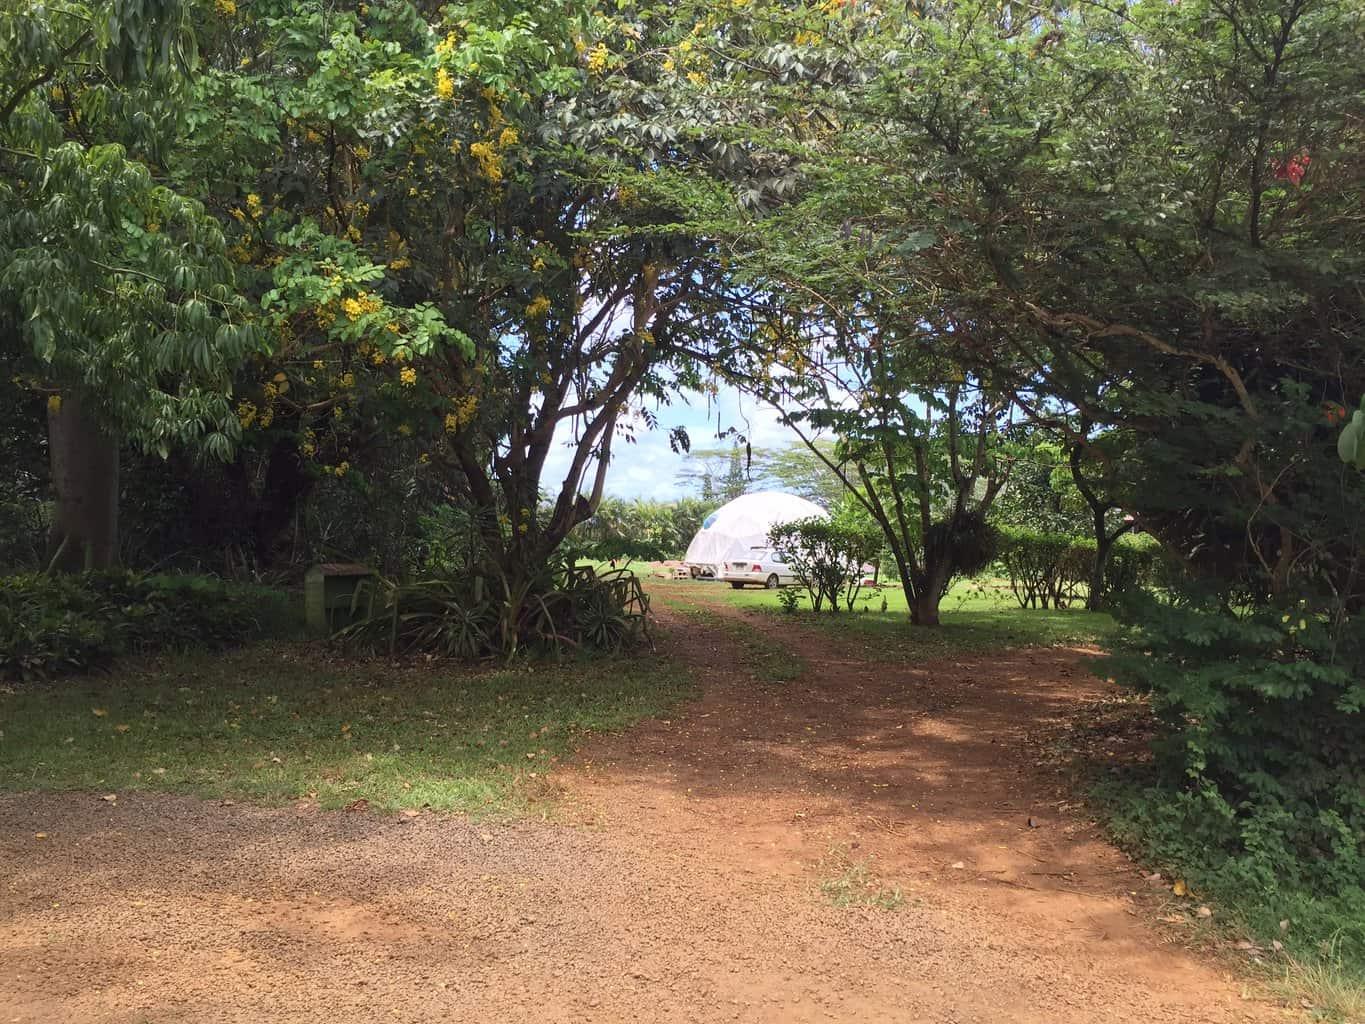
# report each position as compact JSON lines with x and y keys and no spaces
{"x":1052,"y":570}
{"x":1046,"y":570}
{"x":54,"y":625}
{"x":827,"y":557}
{"x":1261,"y":747}
{"x":477,"y":614}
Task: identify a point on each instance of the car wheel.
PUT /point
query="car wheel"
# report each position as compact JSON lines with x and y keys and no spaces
{"x":736,"y":586}
{"x":772,"y":582}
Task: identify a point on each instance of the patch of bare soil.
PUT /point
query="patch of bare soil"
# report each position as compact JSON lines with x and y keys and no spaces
{"x":684,"y":887}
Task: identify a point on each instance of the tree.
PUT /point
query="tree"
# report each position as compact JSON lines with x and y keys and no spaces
{"x":720,"y":474}
{"x":459,"y":230}
{"x":119,"y":284}
{"x":919,"y":443}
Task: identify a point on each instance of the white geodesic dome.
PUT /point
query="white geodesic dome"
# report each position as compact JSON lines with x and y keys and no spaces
{"x":734,"y":530}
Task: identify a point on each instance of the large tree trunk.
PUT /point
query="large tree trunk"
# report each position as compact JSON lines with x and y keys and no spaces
{"x":924,"y":607}
{"x":84,"y":458}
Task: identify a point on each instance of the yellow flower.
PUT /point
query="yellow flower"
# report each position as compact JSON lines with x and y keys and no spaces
{"x":538,"y":307}
{"x":246,"y":414}
{"x":391,"y":327}
{"x":348,"y":380}
{"x":401,"y":263}
{"x":408,"y":376}
{"x":377,"y":358}
{"x":696,"y":77}
{"x":452,"y":423}
{"x":227,"y":8}
{"x":447,"y":44}
{"x":318,"y":364}
{"x":445,"y":85}
{"x":405,"y":429}
{"x":342,"y":468}
{"x":597,"y":59}
{"x":253,"y":206}
{"x":537,"y":264}
{"x":522,"y":528}
{"x":669,"y":65}
{"x":490,"y":164}
{"x":54,"y":403}
{"x":312,"y":136}
{"x":509,"y":137}
{"x":361,"y":305}
{"x":424,"y":458}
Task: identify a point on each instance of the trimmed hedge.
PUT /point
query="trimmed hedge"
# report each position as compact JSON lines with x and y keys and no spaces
{"x":1052,"y":570}
{"x":57,"y":625}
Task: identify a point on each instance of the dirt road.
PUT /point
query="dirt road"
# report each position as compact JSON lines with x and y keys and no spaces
{"x":682,"y":883}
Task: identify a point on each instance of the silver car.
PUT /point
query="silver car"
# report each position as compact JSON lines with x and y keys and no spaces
{"x":764,"y":568}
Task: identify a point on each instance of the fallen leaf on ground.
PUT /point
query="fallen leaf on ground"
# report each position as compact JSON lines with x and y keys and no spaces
{"x":410,"y":813}
{"x":99,"y":712}
{"x":122,"y":727}
{"x":40,"y":835}
{"x":109,"y":798}
{"x":1180,"y":888}
{"x":1204,"y":912}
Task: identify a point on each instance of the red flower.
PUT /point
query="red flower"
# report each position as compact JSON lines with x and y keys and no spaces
{"x":1291,"y":170}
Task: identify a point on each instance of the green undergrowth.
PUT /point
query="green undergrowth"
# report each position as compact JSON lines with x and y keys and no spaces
{"x":289,"y":721}
{"x":1321,"y":933}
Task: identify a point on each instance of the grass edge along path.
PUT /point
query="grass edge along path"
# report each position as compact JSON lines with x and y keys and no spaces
{"x":281,"y":722}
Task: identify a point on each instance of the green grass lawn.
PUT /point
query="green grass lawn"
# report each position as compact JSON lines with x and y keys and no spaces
{"x":977,"y":616}
{"x":288,"y":721}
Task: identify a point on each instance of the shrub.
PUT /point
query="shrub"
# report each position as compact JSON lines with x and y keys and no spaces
{"x":477,"y":614}
{"x":1262,"y":740}
{"x":827,"y":557}
{"x":55,"y":625}
{"x":1045,"y":569}
{"x":1053,"y":569}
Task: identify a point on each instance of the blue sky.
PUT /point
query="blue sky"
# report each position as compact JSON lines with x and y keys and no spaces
{"x":649,"y":469}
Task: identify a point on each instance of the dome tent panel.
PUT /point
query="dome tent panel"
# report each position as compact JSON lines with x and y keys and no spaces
{"x":734,"y":530}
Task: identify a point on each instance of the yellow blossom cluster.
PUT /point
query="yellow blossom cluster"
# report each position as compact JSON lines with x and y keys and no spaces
{"x":246,"y":414}
{"x":597,"y":59}
{"x":465,"y":408}
{"x":538,"y":307}
{"x":490,"y":164}
{"x":227,"y":8}
{"x":253,"y":206}
{"x":445,"y":85}
{"x":364,"y":303}
{"x":407,"y":376}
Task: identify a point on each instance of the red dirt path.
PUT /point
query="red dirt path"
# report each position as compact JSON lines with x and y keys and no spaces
{"x":682,"y":886}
